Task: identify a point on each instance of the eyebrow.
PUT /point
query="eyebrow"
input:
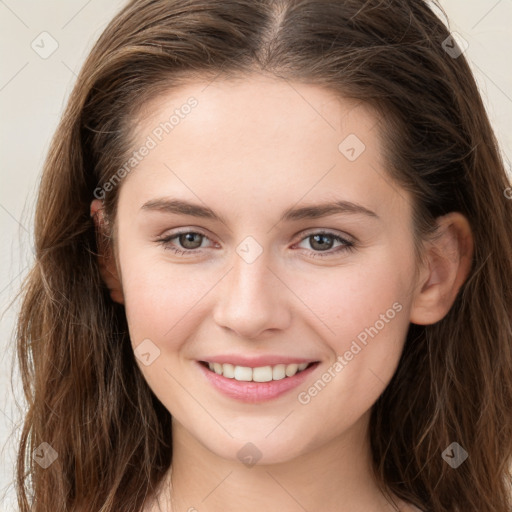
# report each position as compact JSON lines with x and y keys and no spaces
{"x":315,"y":211}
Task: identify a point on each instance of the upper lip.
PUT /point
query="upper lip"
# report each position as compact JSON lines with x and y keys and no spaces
{"x":256,"y":361}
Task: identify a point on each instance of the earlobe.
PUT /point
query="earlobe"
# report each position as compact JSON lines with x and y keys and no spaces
{"x":106,"y":260}
{"x":449,"y":256}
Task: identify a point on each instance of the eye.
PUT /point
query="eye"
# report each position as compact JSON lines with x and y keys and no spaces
{"x":323,"y":242}
{"x":188,"y":241}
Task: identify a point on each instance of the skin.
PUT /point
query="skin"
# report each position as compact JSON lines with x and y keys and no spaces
{"x":250,"y":150}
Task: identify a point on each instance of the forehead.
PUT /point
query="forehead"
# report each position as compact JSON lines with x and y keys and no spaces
{"x":264,"y":106}
{"x":256,"y":139}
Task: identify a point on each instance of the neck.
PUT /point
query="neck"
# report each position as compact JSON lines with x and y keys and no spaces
{"x":335,"y":476}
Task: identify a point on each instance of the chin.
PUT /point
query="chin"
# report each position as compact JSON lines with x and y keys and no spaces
{"x":254,"y":448}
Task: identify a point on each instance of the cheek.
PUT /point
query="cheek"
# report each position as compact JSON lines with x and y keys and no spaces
{"x":351,"y":300}
{"x":364,"y":312}
{"x":158,"y":295}
{"x":161,"y":304}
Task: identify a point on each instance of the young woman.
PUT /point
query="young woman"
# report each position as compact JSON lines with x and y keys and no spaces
{"x":273,"y":269}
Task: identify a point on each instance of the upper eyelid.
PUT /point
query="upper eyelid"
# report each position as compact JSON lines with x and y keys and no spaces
{"x":183,"y":231}
{"x":322,"y":231}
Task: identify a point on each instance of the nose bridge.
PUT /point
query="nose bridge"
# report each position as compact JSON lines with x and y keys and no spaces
{"x":251,"y":299}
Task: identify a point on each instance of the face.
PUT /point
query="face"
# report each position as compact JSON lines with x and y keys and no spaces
{"x":228,"y":254}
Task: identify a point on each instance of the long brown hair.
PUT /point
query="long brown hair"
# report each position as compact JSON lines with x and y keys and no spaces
{"x":86,"y":397}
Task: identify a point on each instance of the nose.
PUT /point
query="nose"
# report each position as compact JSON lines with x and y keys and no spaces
{"x":252,"y":299}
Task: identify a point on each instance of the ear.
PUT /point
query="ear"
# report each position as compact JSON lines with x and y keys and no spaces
{"x":106,"y":260}
{"x":449,"y":256}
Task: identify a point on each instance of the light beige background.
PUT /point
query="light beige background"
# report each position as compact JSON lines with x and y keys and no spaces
{"x":33,"y":91}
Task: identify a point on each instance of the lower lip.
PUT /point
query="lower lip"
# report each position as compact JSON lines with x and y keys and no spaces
{"x":254,"y":392}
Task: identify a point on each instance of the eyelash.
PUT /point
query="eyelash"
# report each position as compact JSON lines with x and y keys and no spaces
{"x":347,"y":244}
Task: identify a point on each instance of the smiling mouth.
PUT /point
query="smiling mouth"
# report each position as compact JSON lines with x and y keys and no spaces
{"x":258,"y":374}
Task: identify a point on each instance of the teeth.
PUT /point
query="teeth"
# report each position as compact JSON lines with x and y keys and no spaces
{"x":259,"y":374}
{"x":243,"y":373}
{"x":279,"y":372}
{"x":262,"y":374}
{"x":228,"y":370}
{"x":291,"y":370}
